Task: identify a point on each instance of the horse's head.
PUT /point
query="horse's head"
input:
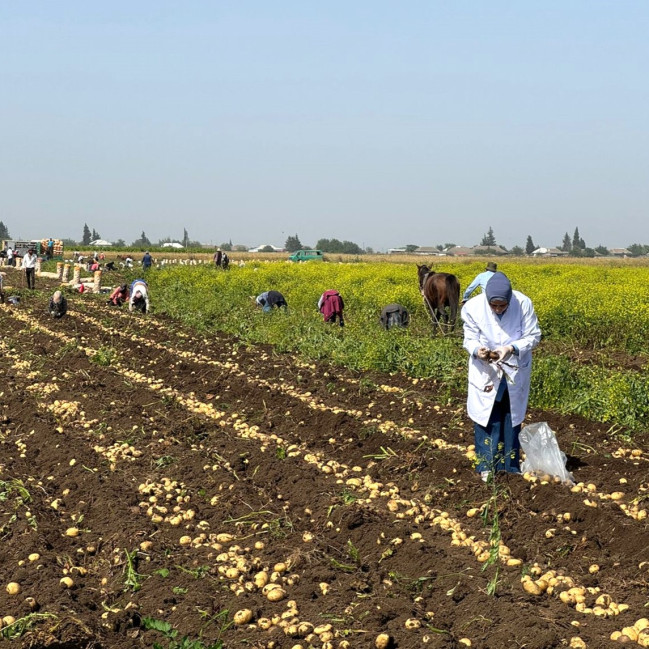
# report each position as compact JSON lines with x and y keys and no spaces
{"x":422,"y":272}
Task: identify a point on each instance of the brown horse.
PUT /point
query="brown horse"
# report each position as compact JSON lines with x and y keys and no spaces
{"x":441,"y":293}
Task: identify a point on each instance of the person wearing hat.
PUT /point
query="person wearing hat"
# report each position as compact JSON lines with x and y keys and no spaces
{"x":139,"y":300}
{"x":29,"y":266}
{"x":500,"y":331}
{"x":58,"y":305}
{"x":480,"y":281}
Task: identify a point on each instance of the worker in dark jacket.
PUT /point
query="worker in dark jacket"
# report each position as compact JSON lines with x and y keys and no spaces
{"x":58,"y":305}
{"x":394,"y":315}
{"x":271,"y":299}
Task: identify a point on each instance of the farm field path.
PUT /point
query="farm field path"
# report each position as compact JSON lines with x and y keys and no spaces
{"x":162,"y":472}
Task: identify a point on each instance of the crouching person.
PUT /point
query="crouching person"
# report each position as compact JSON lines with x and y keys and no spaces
{"x":271,"y":299}
{"x":331,"y":306}
{"x":58,"y":305}
{"x":139,"y":300}
{"x":394,"y":315}
{"x":119,"y":296}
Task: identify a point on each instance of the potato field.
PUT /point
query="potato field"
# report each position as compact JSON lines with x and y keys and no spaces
{"x":208,"y":476}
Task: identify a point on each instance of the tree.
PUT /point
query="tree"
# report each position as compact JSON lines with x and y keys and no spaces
{"x":142,"y":242}
{"x":566,"y":246}
{"x":185,"y":240}
{"x":529,"y":246}
{"x":448,"y":245}
{"x":517,"y":251}
{"x":87,"y":237}
{"x":120,"y":243}
{"x":4,"y":231}
{"x":411,"y":247}
{"x":577,"y":241}
{"x":602,"y":250}
{"x":293,"y":243}
{"x":267,"y":249}
{"x":637,"y":249}
{"x":588,"y":252}
{"x":95,"y":235}
{"x":335,"y":245}
{"x":488,"y":239}
{"x":227,"y":246}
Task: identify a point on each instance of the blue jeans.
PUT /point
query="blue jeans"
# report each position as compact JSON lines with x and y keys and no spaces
{"x":496,"y":445}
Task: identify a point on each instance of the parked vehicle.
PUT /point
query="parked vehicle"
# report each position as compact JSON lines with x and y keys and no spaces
{"x":307,"y":255}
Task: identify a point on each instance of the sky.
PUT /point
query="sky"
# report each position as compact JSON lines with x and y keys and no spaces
{"x":380,"y":122}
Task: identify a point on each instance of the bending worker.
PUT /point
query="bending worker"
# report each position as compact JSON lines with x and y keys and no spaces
{"x":119,"y":295}
{"x":271,"y":299}
{"x":331,"y":306}
{"x":500,"y":331}
{"x":480,"y":281}
{"x":139,"y":300}
{"x":58,"y":305}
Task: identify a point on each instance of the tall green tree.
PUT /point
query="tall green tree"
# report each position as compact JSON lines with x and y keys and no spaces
{"x":87,"y":236}
{"x":185,"y":240}
{"x":142,"y":242}
{"x":567,"y":244}
{"x":577,"y":241}
{"x":529,"y":246}
{"x":293,"y":243}
{"x":4,"y":231}
{"x":488,"y":239}
{"x":95,"y":235}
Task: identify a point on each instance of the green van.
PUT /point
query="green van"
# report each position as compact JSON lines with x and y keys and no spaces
{"x":307,"y":255}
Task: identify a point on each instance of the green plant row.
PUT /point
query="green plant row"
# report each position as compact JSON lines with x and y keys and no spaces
{"x":212,"y":300}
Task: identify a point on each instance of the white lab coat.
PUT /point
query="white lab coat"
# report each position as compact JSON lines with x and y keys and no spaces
{"x":482,"y":328}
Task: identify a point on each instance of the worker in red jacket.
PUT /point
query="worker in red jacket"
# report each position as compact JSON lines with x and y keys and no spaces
{"x":331,"y":306}
{"x":119,"y":296}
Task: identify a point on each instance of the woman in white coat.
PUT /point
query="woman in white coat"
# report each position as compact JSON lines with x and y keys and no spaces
{"x":500,"y":331}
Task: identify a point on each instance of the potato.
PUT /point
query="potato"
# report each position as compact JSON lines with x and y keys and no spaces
{"x":383,"y":641}
{"x":13,"y":588}
{"x":66,"y":582}
{"x":532,"y":588}
{"x":412,"y":623}
{"x":630,"y":633}
{"x":276,"y":595}
{"x":242,"y":617}
{"x":72,"y":531}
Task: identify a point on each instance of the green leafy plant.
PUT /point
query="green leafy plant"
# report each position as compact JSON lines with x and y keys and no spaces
{"x":133,"y":579}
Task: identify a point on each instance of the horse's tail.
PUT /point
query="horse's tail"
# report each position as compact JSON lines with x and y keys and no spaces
{"x":453,"y":291}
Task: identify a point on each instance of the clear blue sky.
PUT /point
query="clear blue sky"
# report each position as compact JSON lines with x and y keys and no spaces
{"x":384,"y":123}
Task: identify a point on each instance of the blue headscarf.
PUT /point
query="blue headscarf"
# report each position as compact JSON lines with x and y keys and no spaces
{"x":499,"y":288}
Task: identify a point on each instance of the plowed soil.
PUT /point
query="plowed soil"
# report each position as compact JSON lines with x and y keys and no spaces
{"x":162,"y":471}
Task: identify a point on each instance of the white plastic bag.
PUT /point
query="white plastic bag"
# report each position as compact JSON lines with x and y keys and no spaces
{"x":542,"y":453}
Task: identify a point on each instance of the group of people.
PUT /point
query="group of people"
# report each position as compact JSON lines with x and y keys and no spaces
{"x":221,"y":259}
{"x":137,"y":296}
{"x":332,"y":307}
{"x":500,"y":331}
{"x":330,"y":304}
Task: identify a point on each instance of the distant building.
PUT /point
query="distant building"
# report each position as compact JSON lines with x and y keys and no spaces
{"x":488,"y":250}
{"x":619,"y":252}
{"x":397,"y":251}
{"x":172,"y":244}
{"x":100,"y":242}
{"x":549,"y":252}
{"x":429,"y":250}
{"x":459,"y":251}
{"x":265,"y":245}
